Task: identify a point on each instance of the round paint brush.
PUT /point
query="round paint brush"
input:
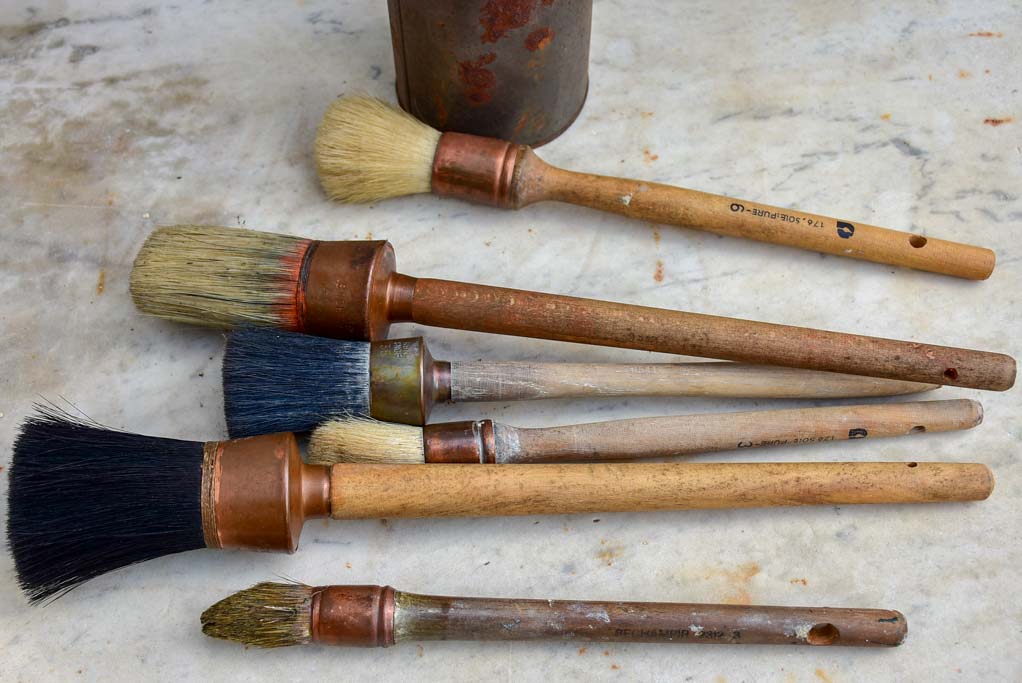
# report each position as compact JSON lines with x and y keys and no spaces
{"x":84,"y":500}
{"x":283,"y":614}
{"x":351,"y":290}
{"x":367,"y":150}
{"x":276,"y":381}
{"x":355,"y":439}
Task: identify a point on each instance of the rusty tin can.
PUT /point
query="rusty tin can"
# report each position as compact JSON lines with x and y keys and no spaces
{"x":516,"y":70}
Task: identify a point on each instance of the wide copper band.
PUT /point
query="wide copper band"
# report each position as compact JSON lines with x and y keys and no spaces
{"x":343,"y":290}
{"x":362,"y":616}
{"x":474,"y":168}
{"x":257,"y":493}
{"x":459,"y":442}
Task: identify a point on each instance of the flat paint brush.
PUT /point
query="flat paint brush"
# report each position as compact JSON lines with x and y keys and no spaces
{"x":84,"y":500}
{"x":283,"y":614}
{"x":356,"y":439}
{"x":367,"y":150}
{"x":351,"y":290}
{"x":276,"y":381}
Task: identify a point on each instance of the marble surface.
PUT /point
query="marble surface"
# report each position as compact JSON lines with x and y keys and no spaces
{"x":118,"y":119}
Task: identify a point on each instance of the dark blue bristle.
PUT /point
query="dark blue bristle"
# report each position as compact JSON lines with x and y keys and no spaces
{"x":85,"y":500}
{"x":278,"y":381}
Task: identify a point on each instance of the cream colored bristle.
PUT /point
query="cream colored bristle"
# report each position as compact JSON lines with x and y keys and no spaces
{"x":265,"y":615}
{"x":360,"y":439}
{"x":221,"y":277}
{"x":367,"y":150}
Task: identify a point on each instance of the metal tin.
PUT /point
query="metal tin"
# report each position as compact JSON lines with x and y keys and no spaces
{"x":516,"y":70}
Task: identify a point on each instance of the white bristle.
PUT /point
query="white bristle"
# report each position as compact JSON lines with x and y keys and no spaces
{"x":367,"y":150}
{"x":360,"y":439}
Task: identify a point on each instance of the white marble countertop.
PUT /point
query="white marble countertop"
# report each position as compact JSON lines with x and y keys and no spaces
{"x":119,"y":119}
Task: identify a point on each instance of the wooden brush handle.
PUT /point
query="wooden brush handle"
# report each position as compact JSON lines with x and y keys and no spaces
{"x":458,"y":305}
{"x":517,"y":381}
{"x":687,"y":434}
{"x":657,"y":203}
{"x":361,"y":491}
{"x":429,"y":617}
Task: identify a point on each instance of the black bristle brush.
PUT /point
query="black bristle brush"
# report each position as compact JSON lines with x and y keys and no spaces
{"x":84,"y":500}
{"x":276,"y":381}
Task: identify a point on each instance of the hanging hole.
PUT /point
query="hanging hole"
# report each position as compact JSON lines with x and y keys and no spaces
{"x":822,"y":634}
{"x":918,"y":429}
{"x":913,"y":464}
{"x":951,"y":374}
{"x":917,"y":241}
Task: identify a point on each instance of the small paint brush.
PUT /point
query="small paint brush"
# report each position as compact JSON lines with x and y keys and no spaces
{"x":350,"y":290}
{"x":284,"y":614}
{"x":367,"y":150}
{"x":355,"y":439}
{"x":84,"y":500}
{"x":277,"y":381}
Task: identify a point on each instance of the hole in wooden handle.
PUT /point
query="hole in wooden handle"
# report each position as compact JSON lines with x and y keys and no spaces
{"x":918,"y":429}
{"x":917,"y":241}
{"x":823,"y":634}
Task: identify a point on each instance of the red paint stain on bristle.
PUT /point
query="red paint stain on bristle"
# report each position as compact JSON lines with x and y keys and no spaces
{"x":987,"y":34}
{"x":292,"y":315}
{"x":478,"y":80}
{"x":539,"y":39}
{"x":998,"y":122}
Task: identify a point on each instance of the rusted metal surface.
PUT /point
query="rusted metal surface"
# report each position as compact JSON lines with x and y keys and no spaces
{"x":361,"y":616}
{"x":257,"y":493}
{"x":459,"y":442}
{"x":511,"y":69}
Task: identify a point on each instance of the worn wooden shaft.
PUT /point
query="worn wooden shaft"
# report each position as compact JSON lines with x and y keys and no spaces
{"x":523,"y":381}
{"x":687,"y":434}
{"x":360,"y":491}
{"x":444,"y":303}
{"x":427,"y":617}
{"x":653,"y":202}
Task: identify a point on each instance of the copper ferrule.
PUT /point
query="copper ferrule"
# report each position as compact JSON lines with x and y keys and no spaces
{"x":459,"y":442}
{"x":257,"y":493}
{"x":475,"y":168}
{"x":405,"y":382}
{"x":361,"y":616}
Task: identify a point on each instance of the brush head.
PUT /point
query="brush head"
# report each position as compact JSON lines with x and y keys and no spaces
{"x":265,"y":615}
{"x":220,"y":277}
{"x":84,"y":500}
{"x":367,"y":150}
{"x":278,"y":381}
{"x":360,"y":439}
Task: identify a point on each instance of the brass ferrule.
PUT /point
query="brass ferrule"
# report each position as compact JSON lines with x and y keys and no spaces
{"x":257,"y":493}
{"x":361,"y":616}
{"x":459,"y":442}
{"x":405,"y":382}
{"x":476,"y":169}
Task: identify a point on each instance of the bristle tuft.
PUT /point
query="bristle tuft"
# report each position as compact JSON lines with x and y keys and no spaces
{"x":265,"y":615}
{"x":84,"y":500}
{"x":278,"y":381}
{"x":359,"y":439}
{"x":220,"y":277}
{"x":367,"y":150}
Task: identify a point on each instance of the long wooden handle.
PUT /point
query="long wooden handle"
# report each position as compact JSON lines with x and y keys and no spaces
{"x":671,"y":205}
{"x":519,"y":381}
{"x":431,"y":617}
{"x":687,"y":434}
{"x":361,"y":491}
{"x":458,"y":305}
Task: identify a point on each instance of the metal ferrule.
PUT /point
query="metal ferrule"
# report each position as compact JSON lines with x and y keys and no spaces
{"x":459,"y":442}
{"x":476,"y":169}
{"x":405,"y":382}
{"x":361,"y":616}
{"x":257,"y":493}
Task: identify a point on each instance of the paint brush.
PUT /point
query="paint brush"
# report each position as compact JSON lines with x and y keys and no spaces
{"x":351,"y":290}
{"x":284,"y":614}
{"x":367,"y":150}
{"x":84,"y":500}
{"x":277,"y":381}
{"x":354,"y":439}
